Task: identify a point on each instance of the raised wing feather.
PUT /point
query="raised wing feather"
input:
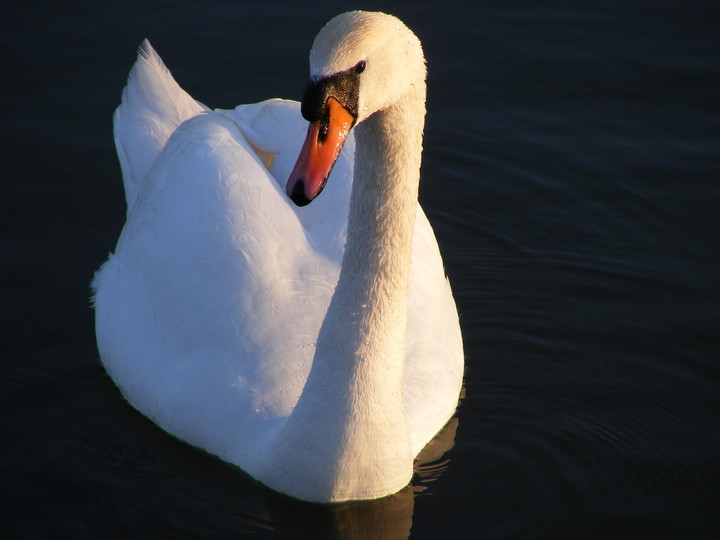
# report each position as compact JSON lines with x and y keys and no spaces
{"x":153,"y":106}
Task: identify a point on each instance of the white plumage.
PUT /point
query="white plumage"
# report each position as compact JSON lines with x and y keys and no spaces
{"x":208,"y":313}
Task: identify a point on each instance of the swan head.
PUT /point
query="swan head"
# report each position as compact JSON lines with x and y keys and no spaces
{"x":360,"y":63}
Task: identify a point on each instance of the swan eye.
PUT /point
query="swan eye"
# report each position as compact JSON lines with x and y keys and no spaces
{"x":360,"y":66}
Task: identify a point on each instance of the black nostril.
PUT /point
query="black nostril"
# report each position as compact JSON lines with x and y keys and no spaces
{"x":298,"y":194}
{"x":324,"y":126}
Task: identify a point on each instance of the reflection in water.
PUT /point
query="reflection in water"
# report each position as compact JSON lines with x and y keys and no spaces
{"x":387,"y":518}
{"x":196,"y":487}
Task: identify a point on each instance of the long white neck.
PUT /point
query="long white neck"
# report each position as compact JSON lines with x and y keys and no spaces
{"x":347,"y":435}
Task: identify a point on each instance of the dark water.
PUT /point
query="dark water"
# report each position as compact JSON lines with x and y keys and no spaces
{"x":571,"y":173}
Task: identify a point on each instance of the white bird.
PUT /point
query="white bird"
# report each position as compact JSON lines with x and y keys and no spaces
{"x":316,"y":347}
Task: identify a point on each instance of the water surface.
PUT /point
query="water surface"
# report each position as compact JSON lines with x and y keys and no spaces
{"x":571,"y":174}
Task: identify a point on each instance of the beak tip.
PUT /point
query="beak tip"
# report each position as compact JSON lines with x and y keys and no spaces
{"x":297,"y":194}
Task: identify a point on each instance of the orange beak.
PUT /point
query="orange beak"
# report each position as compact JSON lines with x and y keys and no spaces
{"x":324,"y":141}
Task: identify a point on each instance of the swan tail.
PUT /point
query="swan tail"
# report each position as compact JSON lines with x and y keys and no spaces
{"x":153,"y":105}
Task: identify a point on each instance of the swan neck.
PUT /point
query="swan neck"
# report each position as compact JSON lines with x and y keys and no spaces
{"x":385,"y":189}
{"x":376,"y":263}
{"x":349,"y":423}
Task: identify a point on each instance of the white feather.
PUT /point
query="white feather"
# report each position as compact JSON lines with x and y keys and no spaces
{"x":208,"y":313}
{"x":153,"y":106}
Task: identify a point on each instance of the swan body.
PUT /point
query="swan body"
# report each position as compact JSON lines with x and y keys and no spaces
{"x":317,"y":347}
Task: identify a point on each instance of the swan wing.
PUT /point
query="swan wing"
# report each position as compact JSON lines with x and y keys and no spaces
{"x":208,"y":311}
{"x":153,"y":105}
{"x":434,"y":356}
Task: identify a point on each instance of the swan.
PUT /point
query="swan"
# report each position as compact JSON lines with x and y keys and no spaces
{"x":316,"y":347}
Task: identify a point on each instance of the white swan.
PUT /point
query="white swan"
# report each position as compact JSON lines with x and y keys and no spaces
{"x":317,"y":348}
